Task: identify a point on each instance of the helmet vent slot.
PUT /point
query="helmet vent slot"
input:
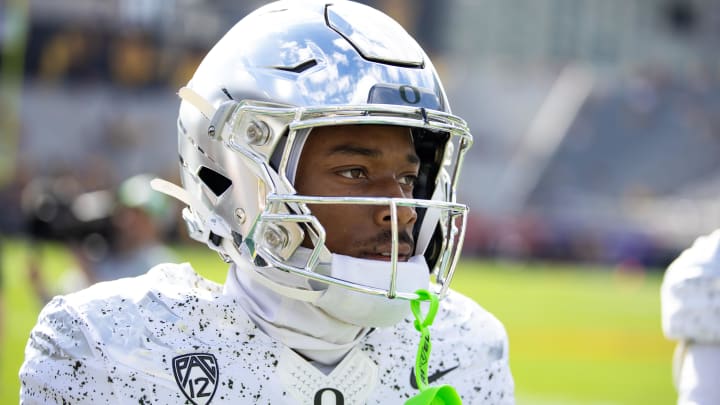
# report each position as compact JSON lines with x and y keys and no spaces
{"x":299,"y":68}
{"x":216,"y":182}
{"x":227,"y":93}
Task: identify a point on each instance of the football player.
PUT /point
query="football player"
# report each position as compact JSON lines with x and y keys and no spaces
{"x":319,"y":157}
{"x":690,"y":297}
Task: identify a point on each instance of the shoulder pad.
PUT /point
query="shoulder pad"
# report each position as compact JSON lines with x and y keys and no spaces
{"x":690,"y":293}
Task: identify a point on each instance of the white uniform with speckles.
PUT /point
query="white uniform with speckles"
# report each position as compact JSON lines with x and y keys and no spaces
{"x":115,"y":343}
{"x":691,"y":315}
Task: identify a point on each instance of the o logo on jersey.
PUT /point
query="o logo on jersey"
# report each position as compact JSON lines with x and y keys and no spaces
{"x":338,"y":396}
{"x":409,"y":94}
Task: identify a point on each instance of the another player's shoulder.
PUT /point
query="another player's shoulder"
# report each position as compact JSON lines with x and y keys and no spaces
{"x":697,"y":266}
{"x":703,"y":255}
{"x":691,"y":292}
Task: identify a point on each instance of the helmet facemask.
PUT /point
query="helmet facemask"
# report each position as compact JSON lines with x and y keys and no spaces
{"x":270,"y":232}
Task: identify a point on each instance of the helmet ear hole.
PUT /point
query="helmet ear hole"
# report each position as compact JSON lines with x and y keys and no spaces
{"x":215,"y":182}
{"x":430,"y":148}
{"x":432,"y":252}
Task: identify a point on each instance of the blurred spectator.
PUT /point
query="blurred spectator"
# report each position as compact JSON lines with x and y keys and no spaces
{"x":11,"y":220}
{"x":690,"y":296}
{"x":111,"y":235}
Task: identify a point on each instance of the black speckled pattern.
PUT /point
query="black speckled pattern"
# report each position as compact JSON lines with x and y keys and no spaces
{"x":114,"y":343}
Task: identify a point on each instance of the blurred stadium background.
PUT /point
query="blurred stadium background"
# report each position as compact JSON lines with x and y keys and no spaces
{"x":597,"y":131}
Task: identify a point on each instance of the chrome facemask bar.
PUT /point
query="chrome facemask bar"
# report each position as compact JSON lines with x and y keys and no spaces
{"x":253,"y":129}
{"x":272,"y":231}
{"x":244,"y":121}
{"x":273,"y":236}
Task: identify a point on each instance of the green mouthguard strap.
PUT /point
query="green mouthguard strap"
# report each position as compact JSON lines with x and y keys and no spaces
{"x":437,"y":395}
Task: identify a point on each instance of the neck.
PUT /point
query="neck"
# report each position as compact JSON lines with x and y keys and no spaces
{"x":302,"y":326}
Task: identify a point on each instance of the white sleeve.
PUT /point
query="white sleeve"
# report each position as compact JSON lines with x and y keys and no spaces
{"x":60,"y":365}
{"x":690,"y":293}
{"x":697,"y":379}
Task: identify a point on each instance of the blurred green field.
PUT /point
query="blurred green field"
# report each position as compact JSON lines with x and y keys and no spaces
{"x":577,"y":336}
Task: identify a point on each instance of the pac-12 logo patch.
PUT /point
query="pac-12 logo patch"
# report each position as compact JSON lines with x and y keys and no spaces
{"x":196,"y":374}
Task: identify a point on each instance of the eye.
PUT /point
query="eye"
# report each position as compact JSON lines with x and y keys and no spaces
{"x":409,"y":180}
{"x":354,"y":173}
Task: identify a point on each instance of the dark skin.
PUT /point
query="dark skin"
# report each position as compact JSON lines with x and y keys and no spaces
{"x":360,"y":161}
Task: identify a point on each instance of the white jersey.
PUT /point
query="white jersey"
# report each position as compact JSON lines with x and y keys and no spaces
{"x":691,"y":315}
{"x":691,"y":293}
{"x":171,"y":336}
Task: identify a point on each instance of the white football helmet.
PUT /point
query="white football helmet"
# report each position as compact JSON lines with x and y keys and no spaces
{"x":286,"y":68}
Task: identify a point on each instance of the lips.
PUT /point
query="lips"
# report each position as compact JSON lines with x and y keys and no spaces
{"x":384,"y":253}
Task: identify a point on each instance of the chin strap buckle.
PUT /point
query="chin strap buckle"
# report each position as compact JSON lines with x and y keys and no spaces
{"x":436,"y":395}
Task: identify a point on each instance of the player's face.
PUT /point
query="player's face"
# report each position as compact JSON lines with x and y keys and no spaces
{"x":360,"y":161}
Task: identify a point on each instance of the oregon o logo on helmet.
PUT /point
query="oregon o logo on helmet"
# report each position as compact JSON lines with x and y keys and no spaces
{"x":339,"y":398}
{"x":409,"y":94}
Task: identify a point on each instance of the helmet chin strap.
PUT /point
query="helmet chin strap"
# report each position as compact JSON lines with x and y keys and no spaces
{"x":310,"y":296}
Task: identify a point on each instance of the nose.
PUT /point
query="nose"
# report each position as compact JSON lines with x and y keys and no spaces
{"x":383,"y":213}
